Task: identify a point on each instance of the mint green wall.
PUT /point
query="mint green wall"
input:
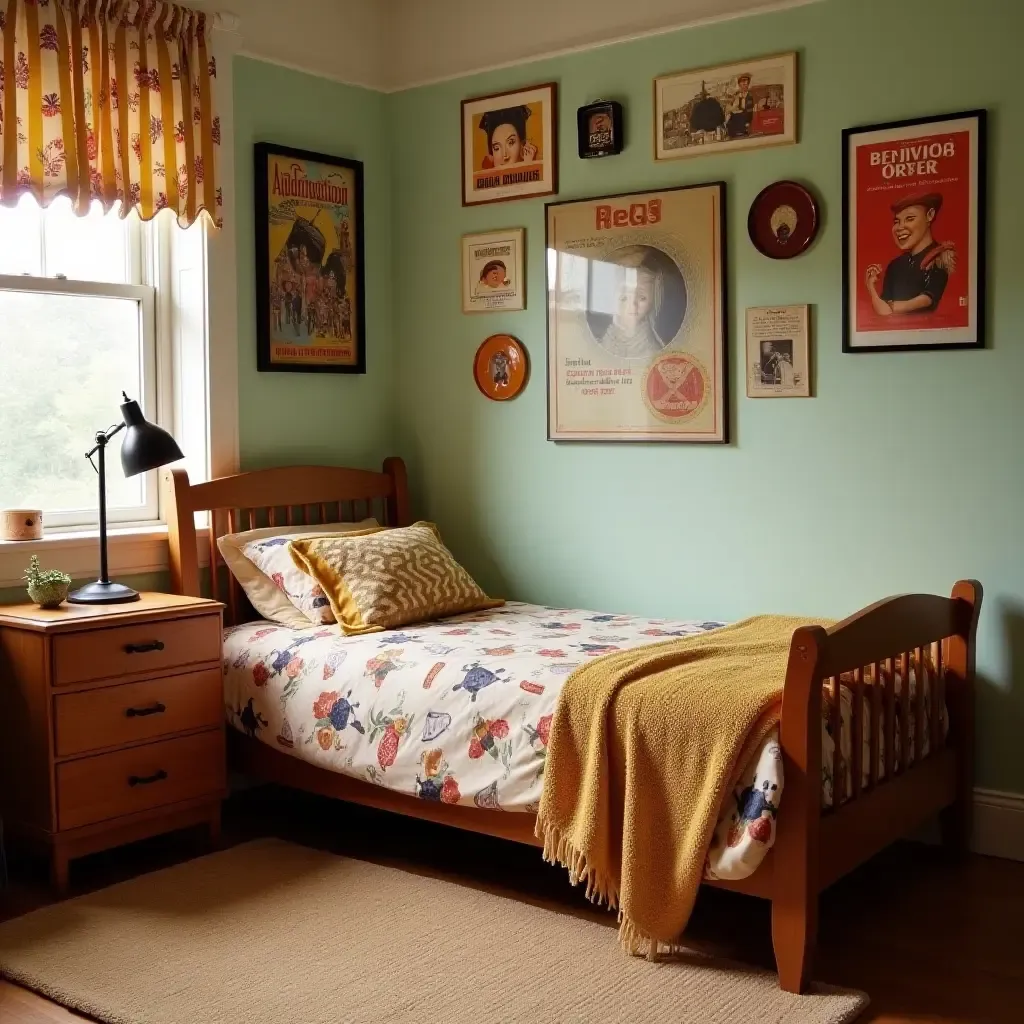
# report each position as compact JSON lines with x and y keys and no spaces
{"x":310,"y":417}
{"x":904,"y":473}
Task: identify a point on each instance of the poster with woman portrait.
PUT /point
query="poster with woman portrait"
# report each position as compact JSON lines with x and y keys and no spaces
{"x":913,"y":234}
{"x":310,"y":306}
{"x":636,"y":317}
{"x":509,"y":145}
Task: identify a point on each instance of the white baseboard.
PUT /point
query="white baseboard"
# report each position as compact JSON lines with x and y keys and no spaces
{"x":998,"y":824}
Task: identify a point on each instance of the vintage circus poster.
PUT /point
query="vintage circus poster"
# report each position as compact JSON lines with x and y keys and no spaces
{"x":913,"y":230}
{"x":309,"y":261}
{"x":636,"y":318}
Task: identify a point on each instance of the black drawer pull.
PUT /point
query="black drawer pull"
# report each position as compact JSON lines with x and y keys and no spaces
{"x":145,"y":780}
{"x":153,"y":645}
{"x":154,"y":709}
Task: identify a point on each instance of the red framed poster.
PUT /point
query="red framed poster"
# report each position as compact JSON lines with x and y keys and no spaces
{"x":913,"y":234}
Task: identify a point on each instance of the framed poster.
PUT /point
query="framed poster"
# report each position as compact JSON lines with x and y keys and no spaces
{"x":492,"y":271}
{"x":310,"y":287}
{"x":914,"y":234}
{"x":778,"y":352}
{"x":510,"y":145}
{"x":732,"y":106}
{"x":636,"y":317}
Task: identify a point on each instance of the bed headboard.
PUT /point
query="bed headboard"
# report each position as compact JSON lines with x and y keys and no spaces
{"x":285,"y":496}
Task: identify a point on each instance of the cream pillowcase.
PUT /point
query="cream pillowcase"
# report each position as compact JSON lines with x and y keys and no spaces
{"x":389,"y":578}
{"x":275,"y":587}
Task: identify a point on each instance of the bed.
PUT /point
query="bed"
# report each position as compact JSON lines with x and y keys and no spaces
{"x":375,"y":719}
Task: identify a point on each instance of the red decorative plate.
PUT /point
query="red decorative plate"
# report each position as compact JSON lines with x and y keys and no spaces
{"x":500,"y":367}
{"x":783,"y":220}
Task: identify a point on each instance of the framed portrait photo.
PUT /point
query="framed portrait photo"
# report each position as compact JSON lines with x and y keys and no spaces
{"x":731,"y":106}
{"x":636,"y":317}
{"x":493,"y":271}
{"x":914,"y":234}
{"x":510,"y":145}
{"x":310,"y":287}
{"x":778,"y":352}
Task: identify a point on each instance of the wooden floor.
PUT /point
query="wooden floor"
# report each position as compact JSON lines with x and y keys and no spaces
{"x":929,"y":940}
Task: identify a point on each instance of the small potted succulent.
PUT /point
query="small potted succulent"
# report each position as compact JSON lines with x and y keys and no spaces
{"x":47,"y":587}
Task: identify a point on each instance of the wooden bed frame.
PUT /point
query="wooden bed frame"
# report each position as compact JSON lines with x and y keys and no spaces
{"x":815,"y":846}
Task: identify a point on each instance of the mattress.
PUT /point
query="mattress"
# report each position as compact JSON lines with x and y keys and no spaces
{"x":459,"y":710}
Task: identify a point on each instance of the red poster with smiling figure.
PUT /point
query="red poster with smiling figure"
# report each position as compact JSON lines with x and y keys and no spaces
{"x":912,"y":234}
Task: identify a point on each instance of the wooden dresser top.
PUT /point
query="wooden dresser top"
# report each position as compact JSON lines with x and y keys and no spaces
{"x":84,"y":616}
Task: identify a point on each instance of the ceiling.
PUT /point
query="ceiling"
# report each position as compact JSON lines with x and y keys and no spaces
{"x":396,"y":44}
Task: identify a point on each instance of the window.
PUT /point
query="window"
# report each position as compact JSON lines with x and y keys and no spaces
{"x":79,"y":305}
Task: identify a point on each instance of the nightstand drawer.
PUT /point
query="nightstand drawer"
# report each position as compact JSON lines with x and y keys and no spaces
{"x":112,"y":716}
{"x":153,"y":647}
{"x":110,"y":785}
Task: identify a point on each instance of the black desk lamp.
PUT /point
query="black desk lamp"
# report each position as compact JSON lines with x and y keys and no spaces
{"x":145,"y":447}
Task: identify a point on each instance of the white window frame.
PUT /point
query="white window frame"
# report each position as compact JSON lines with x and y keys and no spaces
{"x":152,"y":381}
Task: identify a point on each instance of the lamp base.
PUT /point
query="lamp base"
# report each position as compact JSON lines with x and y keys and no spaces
{"x":103,"y":592}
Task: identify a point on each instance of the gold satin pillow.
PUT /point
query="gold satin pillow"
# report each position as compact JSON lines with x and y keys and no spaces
{"x":389,"y":578}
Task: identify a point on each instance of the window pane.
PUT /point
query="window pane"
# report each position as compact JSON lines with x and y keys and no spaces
{"x":63,"y":362}
{"x":20,"y":238}
{"x":90,"y":248}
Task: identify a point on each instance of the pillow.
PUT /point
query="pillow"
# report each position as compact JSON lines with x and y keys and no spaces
{"x":389,"y":578}
{"x":267,"y":574}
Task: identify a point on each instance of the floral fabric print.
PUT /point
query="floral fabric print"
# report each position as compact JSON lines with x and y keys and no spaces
{"x":272,"y":558}
{"x":459,"y":711}
{"x":109,"y":100}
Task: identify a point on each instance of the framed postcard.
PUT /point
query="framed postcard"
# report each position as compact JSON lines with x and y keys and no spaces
{"x":510,"y":145}
{"x":492,"y":271}
{"x":732,"y":106}
{"x":914,"y":234}
{"x":778,"y":352}
{"x":636,"y":317}
{"x":310,"y":288}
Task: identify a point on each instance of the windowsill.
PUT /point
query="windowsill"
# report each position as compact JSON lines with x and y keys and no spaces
{"x":130,"y":550}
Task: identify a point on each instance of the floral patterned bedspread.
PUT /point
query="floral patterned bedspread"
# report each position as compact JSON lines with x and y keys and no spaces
{"x":460,"y":710}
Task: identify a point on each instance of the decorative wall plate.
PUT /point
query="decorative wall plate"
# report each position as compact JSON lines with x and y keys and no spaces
{"x":500,"y":367}
{"x":783,"y":220}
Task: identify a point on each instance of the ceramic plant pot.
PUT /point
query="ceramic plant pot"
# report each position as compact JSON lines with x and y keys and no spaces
{"x":48,"y":595}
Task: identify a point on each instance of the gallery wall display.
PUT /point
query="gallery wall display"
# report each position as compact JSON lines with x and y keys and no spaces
{"x":636,"y":317}
{"x":732,"y":106}
{"x":599,"y":129}
{"x":778,"y":352}
{"x":501,"y":367}
{"x":783,"y":220}
{"x":913,"y":234}
{"x":310,"y":288}
{"x":510,"y":145}
{"x":493,"y":276}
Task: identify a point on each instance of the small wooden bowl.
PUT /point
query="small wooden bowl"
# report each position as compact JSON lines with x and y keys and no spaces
{"x":21,"y":524}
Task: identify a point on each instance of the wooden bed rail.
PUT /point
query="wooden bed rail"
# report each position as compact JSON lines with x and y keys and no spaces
{"x":284,"y":496}
{"x":896,"y":659}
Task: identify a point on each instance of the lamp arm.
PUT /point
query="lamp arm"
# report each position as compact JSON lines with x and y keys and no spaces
{"x":102,"y":438}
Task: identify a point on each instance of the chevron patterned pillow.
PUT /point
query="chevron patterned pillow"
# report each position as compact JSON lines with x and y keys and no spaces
{"x":389,"y":578}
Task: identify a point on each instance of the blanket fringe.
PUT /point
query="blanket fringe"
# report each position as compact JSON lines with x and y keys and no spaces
{"x":600,"y":889}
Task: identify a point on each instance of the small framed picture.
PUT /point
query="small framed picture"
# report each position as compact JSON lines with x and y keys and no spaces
{"x":914,"y":234}
{"x":778,"y":352}
{"x":510,"y":145}
{"x":732,"y":106}
{"x":492,"y":271}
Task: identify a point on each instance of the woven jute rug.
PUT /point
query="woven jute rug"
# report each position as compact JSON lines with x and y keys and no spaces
{"x":273,"y":933}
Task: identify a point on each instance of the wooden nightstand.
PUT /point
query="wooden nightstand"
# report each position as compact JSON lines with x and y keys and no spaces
{"x":111,"y":723}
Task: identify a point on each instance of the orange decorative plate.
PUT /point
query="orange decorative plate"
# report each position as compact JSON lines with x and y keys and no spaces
{"x":500,"y":368}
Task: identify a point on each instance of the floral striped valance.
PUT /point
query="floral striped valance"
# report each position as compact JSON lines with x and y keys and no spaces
{"x":109,"y":100}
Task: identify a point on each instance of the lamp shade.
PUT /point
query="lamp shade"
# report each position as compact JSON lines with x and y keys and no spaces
{"x":146,"y":446}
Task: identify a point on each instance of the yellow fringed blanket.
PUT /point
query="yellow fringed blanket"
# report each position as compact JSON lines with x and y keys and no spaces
{"x":645,"y":745}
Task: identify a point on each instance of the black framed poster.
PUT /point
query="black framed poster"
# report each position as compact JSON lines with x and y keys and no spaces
{"x":310,"y":286}
{"x":914,"y":234}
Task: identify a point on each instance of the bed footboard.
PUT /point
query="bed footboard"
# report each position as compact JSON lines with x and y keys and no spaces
{"x":896,"y":659}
